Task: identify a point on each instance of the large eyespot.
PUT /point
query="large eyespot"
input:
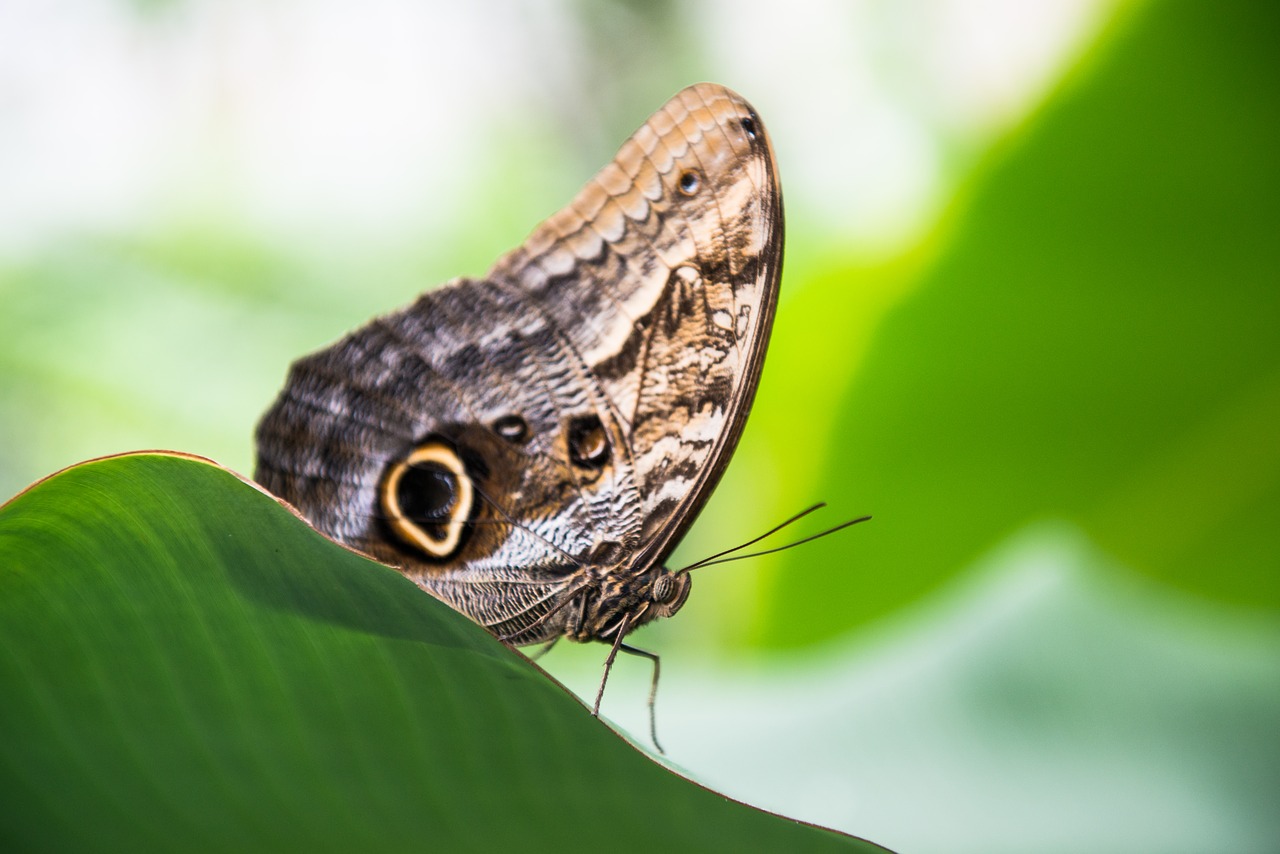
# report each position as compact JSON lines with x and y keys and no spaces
{"x":588,"y":442}
{"x":427,"y":498}
{"x":748,"y":124}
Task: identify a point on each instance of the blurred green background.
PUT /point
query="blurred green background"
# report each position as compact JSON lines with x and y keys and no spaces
{"x":1029,"y":322}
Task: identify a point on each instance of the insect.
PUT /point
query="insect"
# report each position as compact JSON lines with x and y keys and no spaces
{"x":530,"y":446}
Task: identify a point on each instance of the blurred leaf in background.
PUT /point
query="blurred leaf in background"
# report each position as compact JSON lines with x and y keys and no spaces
{"x":1095,"y":342}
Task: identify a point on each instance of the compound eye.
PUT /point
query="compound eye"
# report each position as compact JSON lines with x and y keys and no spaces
{"x":669,"y":592}
{"x":428,"y":498}
{"x":665,"y":589}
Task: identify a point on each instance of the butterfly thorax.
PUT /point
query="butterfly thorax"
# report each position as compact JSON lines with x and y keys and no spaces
{"x":620,"y":602}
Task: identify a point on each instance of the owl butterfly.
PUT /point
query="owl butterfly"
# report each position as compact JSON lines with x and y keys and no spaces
{"x":529,"y":447}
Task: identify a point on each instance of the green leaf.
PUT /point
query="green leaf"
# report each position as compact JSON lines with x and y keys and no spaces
{"x":186,"y":664}
{"x":1098,"y":340}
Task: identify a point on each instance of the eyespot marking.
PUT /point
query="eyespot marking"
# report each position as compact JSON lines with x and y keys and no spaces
{"x":513,"y":428}
{"x":427,"y":499}
{"x":689,"y":182}
{"x":588,"y":442}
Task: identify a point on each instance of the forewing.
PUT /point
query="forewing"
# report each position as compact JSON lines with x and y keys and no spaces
{"x":663,"y":275}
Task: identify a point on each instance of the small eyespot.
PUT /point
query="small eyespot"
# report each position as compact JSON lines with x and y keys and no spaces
{"x":749,"y":126}
{"x":588,"y":442}
{"x":689,"y":182}
{"x":427,"y":499}
{"x":513,"y":428}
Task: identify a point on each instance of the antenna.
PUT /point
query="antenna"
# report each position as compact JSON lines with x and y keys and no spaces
{"x":727,"y":555}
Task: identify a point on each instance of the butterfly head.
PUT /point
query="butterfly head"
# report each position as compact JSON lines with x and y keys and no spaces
{"x":622,"y":602}
{"x":668,"y":591}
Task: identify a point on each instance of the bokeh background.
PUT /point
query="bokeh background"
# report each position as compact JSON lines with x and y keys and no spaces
{"x":1030,"y":321}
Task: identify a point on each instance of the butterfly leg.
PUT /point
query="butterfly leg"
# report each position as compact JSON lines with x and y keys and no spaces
{"x":608,"y":663}
{"x":653,"y":689}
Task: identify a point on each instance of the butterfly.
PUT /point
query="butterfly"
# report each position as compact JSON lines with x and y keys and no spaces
{"x":530,"y":446}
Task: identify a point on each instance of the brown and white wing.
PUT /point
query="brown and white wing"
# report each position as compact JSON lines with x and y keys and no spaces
{"x":579,"y":403}
{"x":663,"y":276}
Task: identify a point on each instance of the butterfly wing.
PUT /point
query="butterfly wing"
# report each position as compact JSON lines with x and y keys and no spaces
{"x":587,"y":393}
{"x":663,"y":272}
{"x":447,"y":373}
